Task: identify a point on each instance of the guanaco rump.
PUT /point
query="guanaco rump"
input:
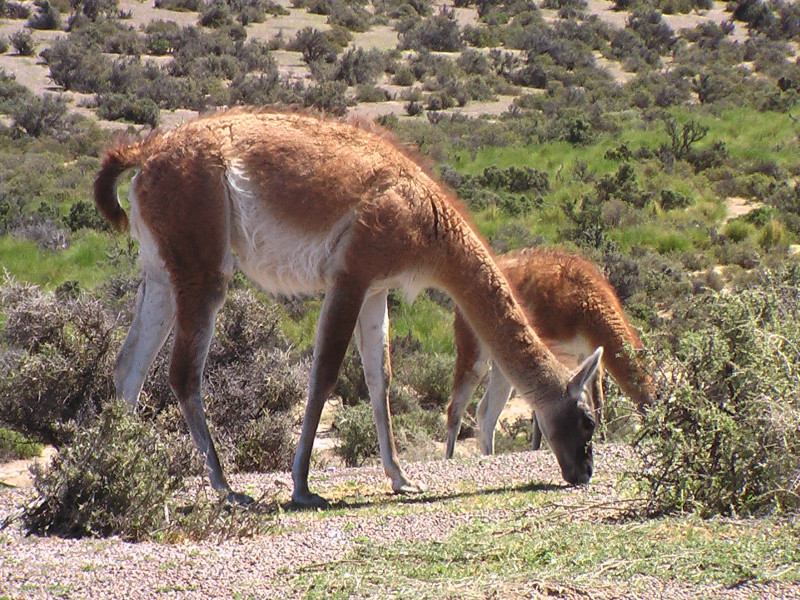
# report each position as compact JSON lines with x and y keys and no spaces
{"x":573,"y":308}
{"x":306,"y":204}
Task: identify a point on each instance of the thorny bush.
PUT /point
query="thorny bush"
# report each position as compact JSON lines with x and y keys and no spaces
{"x":726,"y":438}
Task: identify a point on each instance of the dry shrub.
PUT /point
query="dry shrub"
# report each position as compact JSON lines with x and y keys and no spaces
{"x":104,"y":484}
{"x":252,"y":383}
{"x":59,"y":351}
{"x":58,"y":361}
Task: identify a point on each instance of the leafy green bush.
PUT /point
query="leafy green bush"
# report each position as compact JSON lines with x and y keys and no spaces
{"x":135,"y":109}
{"x":83,"y":215}
{"x":726,"y":438}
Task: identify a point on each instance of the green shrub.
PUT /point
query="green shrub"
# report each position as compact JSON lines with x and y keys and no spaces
{"x":328,"y":96}
{"x":357,"y":65}
{"x":314,"y":45}
{"x":136,"y":109}
{"x":83,"y":215}
{"x":773,"y":234}
{"x":350,"y":16}
{"x":371,"y":93}
{"x":47,"y":16}
{"x":216,"y":14}
{"x":14,"y":10}
{"x":180,"y":5}
{"x":41,"y":116}
{"x":737,"y":230}
{"x":358,"y":439}
{"x":77,"y":65}
{"x":429,"y":375}
{"x":726,"y":438}
{"x":440,"y":33}
{"x":23,"y":42}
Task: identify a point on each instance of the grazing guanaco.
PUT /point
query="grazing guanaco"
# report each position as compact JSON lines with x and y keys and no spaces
{"x":573,"y":308}
{"x":306,"y":204}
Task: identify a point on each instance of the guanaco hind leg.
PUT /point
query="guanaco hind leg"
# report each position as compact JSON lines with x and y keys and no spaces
{"x":193,"y":332}
{"x":152,"y":322}
{"x":371,"y":336}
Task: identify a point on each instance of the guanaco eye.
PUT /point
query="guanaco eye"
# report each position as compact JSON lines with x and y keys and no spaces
{"x":588,"y":423}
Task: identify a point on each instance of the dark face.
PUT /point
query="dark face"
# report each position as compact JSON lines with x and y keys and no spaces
{"x":569,"y":432}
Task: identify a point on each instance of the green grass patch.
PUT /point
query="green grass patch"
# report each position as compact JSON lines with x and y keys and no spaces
{"x":487,"y":557}
{"x":14,"y":446}
{"x":426,"y":321}
{"x":85,"y":260}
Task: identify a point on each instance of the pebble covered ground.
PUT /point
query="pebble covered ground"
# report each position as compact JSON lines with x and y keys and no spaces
{"x":42,"y":567}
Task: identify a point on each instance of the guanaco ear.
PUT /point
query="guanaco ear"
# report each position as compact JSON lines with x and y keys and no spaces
{"x":584,"y":373}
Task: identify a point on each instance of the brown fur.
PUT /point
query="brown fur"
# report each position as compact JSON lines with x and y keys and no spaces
{"x":564,"y":296}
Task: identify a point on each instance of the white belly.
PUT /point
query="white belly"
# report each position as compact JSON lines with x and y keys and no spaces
{"x":276,"y":255}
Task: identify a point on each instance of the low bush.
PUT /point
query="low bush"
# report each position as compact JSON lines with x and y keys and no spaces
{"x":119,"y":477}
{"x":440,"y":33}
{"x":23,"y":42}
{"x":57,"y":369}
{"x":46,"y":16}
{"x":726,"y":438}
{"x":115,"y":107}
{"x":358,"y":438}
{"x":58,"y":360}
{"x":45,"y":116}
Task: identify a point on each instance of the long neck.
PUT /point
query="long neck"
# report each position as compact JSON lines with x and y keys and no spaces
{"x":469,"y":274}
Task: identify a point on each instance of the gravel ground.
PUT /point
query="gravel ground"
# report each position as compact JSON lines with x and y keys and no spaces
{"x":36,"y":567}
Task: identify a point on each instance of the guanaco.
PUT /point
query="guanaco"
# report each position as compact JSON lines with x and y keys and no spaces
{"x":573,"y":308}
{"x":304,"y":204}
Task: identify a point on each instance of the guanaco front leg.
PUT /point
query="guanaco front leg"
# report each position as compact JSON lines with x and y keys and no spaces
{"x":372,"y":339}
{"x":498,"y":391}
{"x":463,"y":389}
{"x":337,"y":321}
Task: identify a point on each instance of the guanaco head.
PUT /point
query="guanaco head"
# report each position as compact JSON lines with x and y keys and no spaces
{"x":569,"y":423}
